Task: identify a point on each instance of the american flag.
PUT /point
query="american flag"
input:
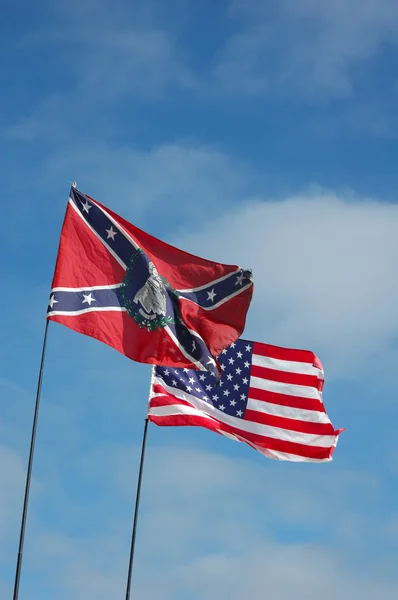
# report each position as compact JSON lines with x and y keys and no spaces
{"x":268,"y":397}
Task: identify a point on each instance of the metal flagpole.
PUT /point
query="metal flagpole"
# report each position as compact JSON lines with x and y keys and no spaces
{"x":29,"y":473}
{"x":137,"y":504}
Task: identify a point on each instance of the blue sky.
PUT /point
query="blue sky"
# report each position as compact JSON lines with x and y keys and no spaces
{"x":259,"y":133}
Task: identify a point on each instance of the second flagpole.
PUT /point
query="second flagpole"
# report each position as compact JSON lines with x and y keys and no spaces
{"x":137,"y":504}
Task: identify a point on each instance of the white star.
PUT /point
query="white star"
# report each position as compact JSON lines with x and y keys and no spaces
{"x":239,"y":279}
{"x":226,"y":392}
{"x":167,"y":372}
{"x":236,"y":387}
{"x":239,"y":355}
{"x":185,"y":370}
{"x":188,"y":388}
{"x":233,"y":345}
{"x":245,"y":381}
{"x":86,"y":206}
{"x":222,"y":367}
{"x":238,"y":371}
{"x":211,"y":295}
{"x":208,"y":388}
{"x":221,"y":407}
{"x":221,"y":383}
{"x":231,"y":361}
{"x":111,"y":233}
{"x":248,"y":348}
{"x":88,"y":298}
{"x":201,"y":377}
{"x":247,"y":365}
{"x":191,"y":380}
{"x":239,"y":413}
{"x":198,"y":389}
{"x":215,"y":397}
{"x":213,"y":374}
{"x":229,"y":376}
{"x":205,"y":398}
{"x":174,"y":382}
{"x":232,"y":402}
{"x":52,"y":301}
{"x":242,"y":397}
{"x":224,"y":351}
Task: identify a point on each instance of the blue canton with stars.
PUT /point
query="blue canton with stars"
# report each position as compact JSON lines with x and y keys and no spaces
{"x":231,"y":394}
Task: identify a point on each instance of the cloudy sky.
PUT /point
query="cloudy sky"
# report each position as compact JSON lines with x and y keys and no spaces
{"x":257,"y":132}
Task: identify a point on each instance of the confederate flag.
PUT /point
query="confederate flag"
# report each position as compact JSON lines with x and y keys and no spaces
{"x":148,"y":300}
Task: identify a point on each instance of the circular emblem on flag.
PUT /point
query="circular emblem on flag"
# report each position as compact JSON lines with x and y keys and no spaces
{"x":147,"y":296}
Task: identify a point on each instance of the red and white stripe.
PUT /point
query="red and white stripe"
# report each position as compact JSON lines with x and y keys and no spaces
{"x":285,"y":418}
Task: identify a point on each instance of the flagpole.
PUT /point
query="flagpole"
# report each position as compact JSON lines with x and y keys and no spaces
{"x":29,"y":472}
{"x":137,"y":504}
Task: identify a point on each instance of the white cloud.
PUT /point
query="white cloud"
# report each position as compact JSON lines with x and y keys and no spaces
{"x":324,"y":269}
{"x":299,"y":571}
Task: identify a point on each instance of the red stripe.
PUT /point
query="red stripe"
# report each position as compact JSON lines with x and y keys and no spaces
{"x":185,"y":420}
{"x":288,"y":354}
{"x":314,"y":452}
{"x":167,"y":400}
{"x":286,"y":400}
{"x":159,"y":389}
{"x":290,"y":424}
{"x":286,"y":377}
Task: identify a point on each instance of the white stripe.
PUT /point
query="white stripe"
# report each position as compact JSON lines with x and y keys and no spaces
{"x":115,"y":256}
{"x":302,"y":391}
{"x":287,"y":435}
{"x":287,"y":412}
{"x":221,"y":301}
{"x":75,"y":313}
{"x":287,"y":456}
{"x":83,"y":289}
{"x":202,"y":287}
{"x":288,"y":366}
{"x":152,"y":380}
{"x":178,"y":409}
{"x":231,"y":436}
